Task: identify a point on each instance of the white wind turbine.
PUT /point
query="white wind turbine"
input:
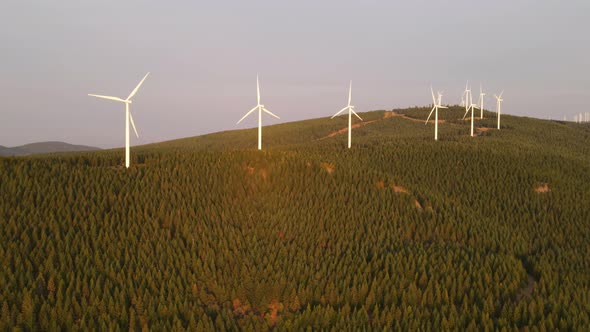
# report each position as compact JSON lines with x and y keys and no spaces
{"x":435,"y":107}
{"x":499,"y":100}
{"x":351,"y":111}
{"x":128,"y":116}
{"x":481,"y":95}
{"x":468,"y":100}
{"x":260,"y":109}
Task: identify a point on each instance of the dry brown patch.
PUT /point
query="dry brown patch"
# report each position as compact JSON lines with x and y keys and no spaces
{"x":417,"y":204}
{"x":484,"y":129}
{"x":332,"y":134}
{"x":328,"y":167}
{"x":239,"y":308}
{"x":543,"y":188}
{"x":400,"y":189}
{"x":344,"y":130}
{"x":308,"y":164}
{"x":388,"y":115}
{"x":411,"y":119}
{"x":249,"y":169}
{"x":380,"y":185}
{"x":274,"y":306}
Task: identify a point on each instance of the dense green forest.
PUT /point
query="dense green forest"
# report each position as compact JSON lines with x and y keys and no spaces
{"x":399,"y":232}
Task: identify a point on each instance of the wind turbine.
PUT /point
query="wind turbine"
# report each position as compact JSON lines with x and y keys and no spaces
{"x":435,"y":107}
{"x":128,"y":116}
{"x":468,"y":100}
{"x":351,"y":111}
{"x":499,"y":100}
{"x":481,"y":95}
{"x":260,"y":109}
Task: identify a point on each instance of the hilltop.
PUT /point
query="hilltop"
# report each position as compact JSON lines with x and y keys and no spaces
{"x":399,"y":232}
{"x":42,"y":148}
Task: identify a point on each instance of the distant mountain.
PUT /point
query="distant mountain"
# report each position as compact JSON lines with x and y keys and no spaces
{"x":43,"y":147}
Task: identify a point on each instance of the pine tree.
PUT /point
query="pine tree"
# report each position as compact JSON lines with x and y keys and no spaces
{"x":27,"y":311}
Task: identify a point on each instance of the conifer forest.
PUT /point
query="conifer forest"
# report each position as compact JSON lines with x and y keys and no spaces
{"x":400,"y":232}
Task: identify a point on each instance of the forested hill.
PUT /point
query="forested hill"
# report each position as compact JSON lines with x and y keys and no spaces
{"x":398,"y":233}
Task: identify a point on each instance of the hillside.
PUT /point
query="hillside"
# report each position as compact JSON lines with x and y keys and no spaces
{"x":42,"y":148}
{"x":400,"y":232}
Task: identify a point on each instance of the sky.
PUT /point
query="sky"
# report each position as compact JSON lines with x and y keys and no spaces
{"x":204,"y":57}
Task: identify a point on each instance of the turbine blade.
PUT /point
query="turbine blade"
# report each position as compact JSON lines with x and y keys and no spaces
{"x":137,"y":87}
{"x":353,"y":112}
{"x":342,"y":110}
{"x":269,"y":112}
{"x":439,"y":106}
{"x":133,"y":125}
{"x":249,"y":112}
{"x":501,"y":93}
{"x":433,"y":99}
{"x":257,"y":90}
{"x":429,"y":115}
{"x":467,"y":111}
{"x":107,"y":97}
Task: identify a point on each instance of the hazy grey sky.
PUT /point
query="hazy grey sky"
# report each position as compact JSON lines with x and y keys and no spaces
{"x":204,"y":57}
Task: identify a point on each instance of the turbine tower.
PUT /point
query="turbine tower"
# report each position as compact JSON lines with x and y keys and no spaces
{"x":499,"y":100}
{"x":128,"y":116}
{"x":260,"y":109}
{"x":435,"y":107}
{"x":351,"y":111}
{"x":472,"y":107}
{"x":481,"y":95}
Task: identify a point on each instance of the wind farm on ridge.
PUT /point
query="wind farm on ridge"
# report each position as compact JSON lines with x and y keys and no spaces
{"x":467,"y":101}
{"x":416,"y":202}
